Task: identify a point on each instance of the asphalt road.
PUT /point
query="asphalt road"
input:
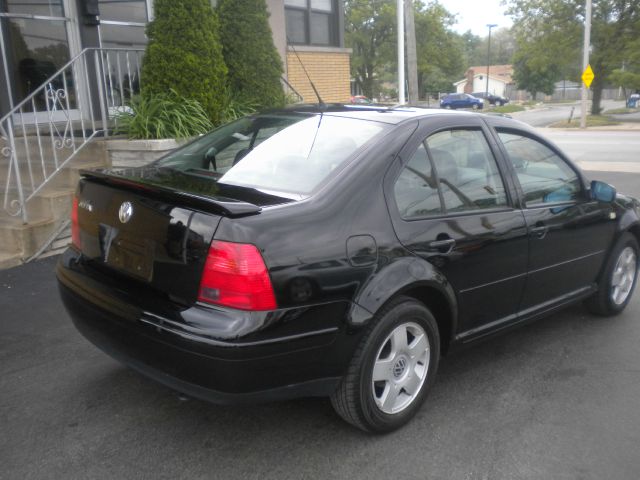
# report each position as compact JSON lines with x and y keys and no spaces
{"x":617,"y":151}
{"x":556,"y":399}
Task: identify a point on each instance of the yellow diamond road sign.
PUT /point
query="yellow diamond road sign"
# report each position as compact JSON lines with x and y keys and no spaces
{"x":587,"y":76}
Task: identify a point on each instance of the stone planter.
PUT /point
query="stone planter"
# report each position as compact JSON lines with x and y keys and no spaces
{"x":137,"y":153}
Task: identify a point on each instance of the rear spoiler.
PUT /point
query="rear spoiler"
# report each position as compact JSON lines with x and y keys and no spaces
{"x":221,"y":205}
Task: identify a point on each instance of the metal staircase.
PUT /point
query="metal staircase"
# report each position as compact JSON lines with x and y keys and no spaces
{"x":48,"y":137}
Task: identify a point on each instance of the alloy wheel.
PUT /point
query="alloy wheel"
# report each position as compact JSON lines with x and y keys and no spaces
{"x":400,"y":368}
{"x":624,"y":275}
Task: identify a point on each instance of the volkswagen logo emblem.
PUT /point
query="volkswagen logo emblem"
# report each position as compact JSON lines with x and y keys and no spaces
{"x":126,"y":212}
{"x":399,"y":367}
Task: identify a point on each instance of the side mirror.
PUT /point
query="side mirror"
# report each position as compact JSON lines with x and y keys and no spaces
{"x":602,"y":192}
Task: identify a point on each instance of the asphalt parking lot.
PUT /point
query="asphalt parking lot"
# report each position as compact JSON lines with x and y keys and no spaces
{"x":559,"y":398}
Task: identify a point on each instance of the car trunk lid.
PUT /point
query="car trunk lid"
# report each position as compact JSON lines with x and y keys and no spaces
{"x":154,"y":226}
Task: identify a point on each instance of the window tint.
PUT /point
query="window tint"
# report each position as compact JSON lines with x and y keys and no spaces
{"x":283,"y":153}
{"x":543,"y":175}
{"x":298,"y":158}
{"x":415,"y":189}
{"x":468,"y":173}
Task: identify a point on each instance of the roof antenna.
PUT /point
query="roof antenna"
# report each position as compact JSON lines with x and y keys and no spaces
{"x":321,"y":104}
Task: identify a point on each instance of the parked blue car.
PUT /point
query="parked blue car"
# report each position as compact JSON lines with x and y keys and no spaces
{"x":461,"y":100}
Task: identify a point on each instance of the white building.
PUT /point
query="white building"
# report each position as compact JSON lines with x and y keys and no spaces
{"x":476,"y":79}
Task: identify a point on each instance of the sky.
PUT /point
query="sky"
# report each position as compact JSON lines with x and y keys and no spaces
{"x":474,"y":15}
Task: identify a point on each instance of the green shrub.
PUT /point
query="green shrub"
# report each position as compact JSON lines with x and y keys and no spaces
{"x":254,"y":64}
{"x":236,"y":108}
{"x":165,"y":115}
{"x":184,"y":54}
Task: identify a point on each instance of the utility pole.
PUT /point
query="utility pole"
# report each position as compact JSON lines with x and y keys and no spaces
{"x":412,"y":56}
{"x":401,"y":97}
{"x":490,"y":25}
{"x":585,"y":62}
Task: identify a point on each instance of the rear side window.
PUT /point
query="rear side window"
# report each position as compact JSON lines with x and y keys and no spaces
{"x":415,"y":190}
{"x":543,"y":175}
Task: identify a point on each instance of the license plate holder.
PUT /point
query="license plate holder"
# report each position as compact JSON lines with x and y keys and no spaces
{"x":131,"y":256}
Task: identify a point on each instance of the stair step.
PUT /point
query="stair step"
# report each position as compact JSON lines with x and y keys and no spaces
{"x":9,"y":260}
{"x":25,"y":239}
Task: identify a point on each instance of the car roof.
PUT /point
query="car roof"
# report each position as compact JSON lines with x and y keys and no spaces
{"x":375,"y":113}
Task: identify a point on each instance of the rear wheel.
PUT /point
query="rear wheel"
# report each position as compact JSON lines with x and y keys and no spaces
{"x":618,"y":279}
{"x":392,"y":369}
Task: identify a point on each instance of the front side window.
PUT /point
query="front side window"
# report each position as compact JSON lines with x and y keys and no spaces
{"x":543,"y":175}
{"x":467,"y":171}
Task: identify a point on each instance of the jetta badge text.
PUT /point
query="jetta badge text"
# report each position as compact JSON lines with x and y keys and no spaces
{"x":86,"y":204}
{"x":126,"y":212}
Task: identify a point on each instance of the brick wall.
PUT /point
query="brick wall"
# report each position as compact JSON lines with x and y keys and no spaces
{"x":330,"y":72}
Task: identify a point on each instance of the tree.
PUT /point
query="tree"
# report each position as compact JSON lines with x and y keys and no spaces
{"x":628,"y":76}
{"x":440,"y":50}
{"x":184,"y":55}
{"x":503,"y":46}
{"x":535,"y":74}
{"x":471,"y":48}
{"x":255,"y":67}
{"x":552,"y":32}
{"x":370,"y":30}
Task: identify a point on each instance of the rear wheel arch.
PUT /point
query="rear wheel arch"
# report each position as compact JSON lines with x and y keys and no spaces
{"x":441,"y":304}
{"x":441,"y":308}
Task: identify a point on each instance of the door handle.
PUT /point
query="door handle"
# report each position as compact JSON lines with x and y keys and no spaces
{"x":539,"y":231}
{"x":443,"y":246}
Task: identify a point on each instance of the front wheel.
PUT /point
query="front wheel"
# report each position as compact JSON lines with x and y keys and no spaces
{"x":618,"y":280}
{"x":475,"y":106}
{"x":392,"y":369}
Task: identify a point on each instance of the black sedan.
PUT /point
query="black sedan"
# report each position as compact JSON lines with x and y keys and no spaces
{"x":339,"y":252}
{"x":491,"y":98}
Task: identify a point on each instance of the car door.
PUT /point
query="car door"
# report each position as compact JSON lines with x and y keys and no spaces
{"x":569,"y":233}
{"x":450,"y":204}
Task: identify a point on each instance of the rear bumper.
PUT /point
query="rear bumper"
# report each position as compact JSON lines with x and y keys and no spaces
{"x":282,"y":355}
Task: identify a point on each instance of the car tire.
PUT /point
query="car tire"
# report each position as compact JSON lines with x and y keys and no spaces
{"x":618,"y":279}
{"x":404,"y":369}
{"x":447,"y":107}
{"x":475,"y":106}
{"x":501,"y":104}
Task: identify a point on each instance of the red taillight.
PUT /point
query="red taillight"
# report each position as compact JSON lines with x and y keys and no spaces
{"x":75,"y":228}
{"x":235,"y":276}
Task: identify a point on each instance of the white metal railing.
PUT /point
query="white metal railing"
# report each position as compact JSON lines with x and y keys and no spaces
{"x":47,"y":129}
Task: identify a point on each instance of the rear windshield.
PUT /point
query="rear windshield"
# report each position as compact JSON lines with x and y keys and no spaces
{"x":275,"y":153}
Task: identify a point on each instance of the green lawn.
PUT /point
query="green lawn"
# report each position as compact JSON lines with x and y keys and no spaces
{"x":622,"y":110}
{"x":508,"y":109}
{"x":592,"y":121}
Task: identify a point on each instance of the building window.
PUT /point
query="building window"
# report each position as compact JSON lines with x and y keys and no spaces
{"x":122,"y":23}
{"x":311,"y":22}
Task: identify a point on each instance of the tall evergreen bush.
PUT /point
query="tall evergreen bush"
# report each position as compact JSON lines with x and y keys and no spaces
{"x":255,"y":67}
{"x":184,"y":55}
